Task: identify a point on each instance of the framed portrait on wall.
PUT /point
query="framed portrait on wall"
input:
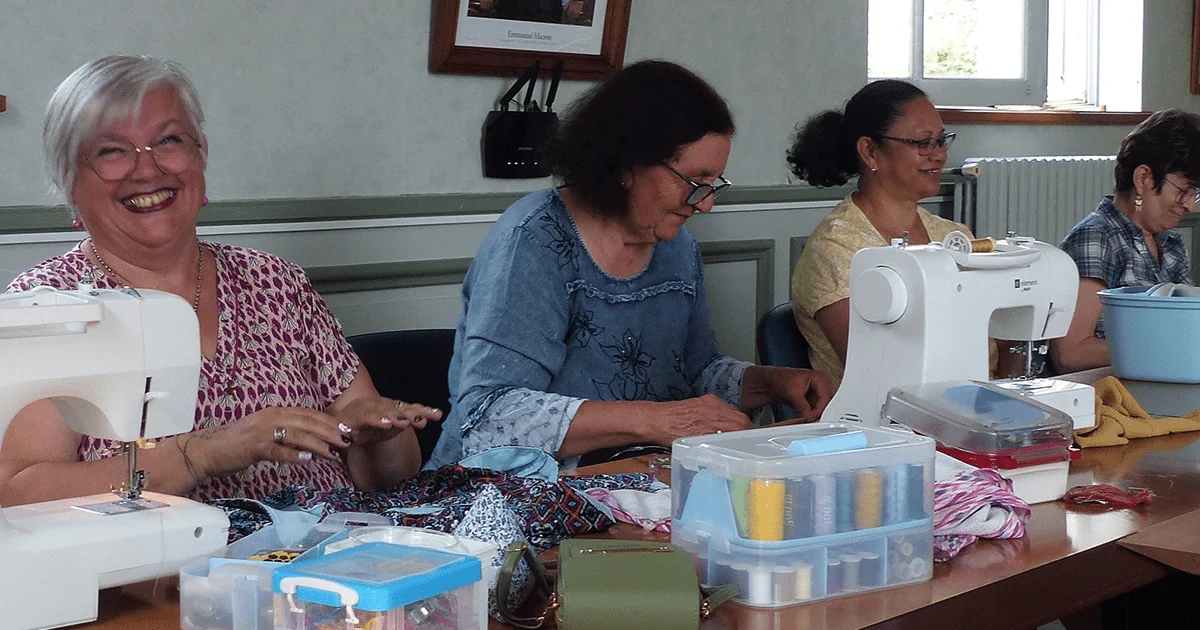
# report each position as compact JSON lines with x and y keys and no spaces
{"x":504,"y":37}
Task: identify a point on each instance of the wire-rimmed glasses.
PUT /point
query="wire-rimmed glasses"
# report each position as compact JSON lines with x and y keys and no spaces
{"x":1191,"y":192}
{"x":115,"y":160}
{"x":699,"y":191}
{"x":925,"y":146}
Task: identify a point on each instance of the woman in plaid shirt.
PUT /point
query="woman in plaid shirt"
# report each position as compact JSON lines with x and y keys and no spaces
{"x":1130,"y":238}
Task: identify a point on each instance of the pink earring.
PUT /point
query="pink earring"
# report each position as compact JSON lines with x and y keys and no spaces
{"x":76,"y":222}
{"x":204,"y":201}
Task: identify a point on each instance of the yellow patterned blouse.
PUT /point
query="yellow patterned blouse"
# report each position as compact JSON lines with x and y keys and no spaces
{"x":822,"y":277}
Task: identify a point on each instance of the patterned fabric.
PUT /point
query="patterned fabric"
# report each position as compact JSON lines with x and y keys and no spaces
{"x":973,"y":505}
{"x":543,"y":329}
{"x":649,"y":510}
{"x":548,"y":511}
{"x":822,"y":276}
{"x":278,"y":345}
{"x":1108,"y":246}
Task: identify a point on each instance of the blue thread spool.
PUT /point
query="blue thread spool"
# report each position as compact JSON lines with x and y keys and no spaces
{"x":916,"y":492}
{"x":898,"y":493}
{"x":833,"y":577}
{"x":870,"y":569}
{"x":798,"y":509}
{"x":824,"y":498}
{"x":844,"y":502}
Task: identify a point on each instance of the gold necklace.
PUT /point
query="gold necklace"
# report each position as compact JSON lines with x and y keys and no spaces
{"x":199,"y":272}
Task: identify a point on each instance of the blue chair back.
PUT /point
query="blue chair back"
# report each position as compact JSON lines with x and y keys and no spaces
{"x":411,"y":365}
{"x":780,"y":344}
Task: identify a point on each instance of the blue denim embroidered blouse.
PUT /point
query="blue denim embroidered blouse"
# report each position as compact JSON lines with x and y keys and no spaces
{"x":1109,"y":247}
{"x":544,"y":329}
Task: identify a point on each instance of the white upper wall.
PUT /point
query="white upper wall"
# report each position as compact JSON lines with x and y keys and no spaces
{"x":311,"y":98}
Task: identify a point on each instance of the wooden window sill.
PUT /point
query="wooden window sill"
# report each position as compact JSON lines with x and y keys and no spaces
{"x":1001,"y":116}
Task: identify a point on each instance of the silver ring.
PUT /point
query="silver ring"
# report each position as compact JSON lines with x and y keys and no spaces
{"x":279,"y":433}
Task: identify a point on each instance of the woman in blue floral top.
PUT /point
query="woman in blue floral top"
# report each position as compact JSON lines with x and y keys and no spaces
{"x":585,"y":324}
{"x":1130,"y":238}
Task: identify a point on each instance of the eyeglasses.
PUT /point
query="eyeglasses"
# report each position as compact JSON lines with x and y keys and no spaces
{"x":700,"y":192}
{"x":1191,"y":192}
{"x":925,"y":146}
{"x":114,"y":161}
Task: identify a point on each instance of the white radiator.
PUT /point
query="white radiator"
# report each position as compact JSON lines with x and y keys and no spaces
{"x":1043,"y":197}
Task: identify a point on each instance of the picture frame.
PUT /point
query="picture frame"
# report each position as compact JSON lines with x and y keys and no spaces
{"x":1194,"y":86}
{"x":504,"y":37}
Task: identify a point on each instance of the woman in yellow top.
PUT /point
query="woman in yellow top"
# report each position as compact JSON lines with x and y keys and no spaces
{"x":891,"y":136}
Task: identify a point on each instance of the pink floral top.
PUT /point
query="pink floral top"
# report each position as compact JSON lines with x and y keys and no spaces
{"x":278,"y":345}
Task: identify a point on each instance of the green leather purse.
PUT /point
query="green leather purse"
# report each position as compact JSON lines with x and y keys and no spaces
{"x":615,"y":585}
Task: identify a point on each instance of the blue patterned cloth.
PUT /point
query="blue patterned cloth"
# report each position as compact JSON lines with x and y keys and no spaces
{"x":1108,"y":246}
{"x":544,"y":329}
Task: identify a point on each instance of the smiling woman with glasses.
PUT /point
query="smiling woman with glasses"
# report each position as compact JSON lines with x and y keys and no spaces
{"x":1130,"y":237}
{"x":585,"y":325}
{"x":891,"y":138}
{"x":124,"y":144}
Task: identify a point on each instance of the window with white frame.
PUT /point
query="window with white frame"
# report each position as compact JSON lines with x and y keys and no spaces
{"x":1060,"y":53}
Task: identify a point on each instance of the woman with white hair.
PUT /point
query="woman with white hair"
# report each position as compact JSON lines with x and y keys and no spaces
{"x":283,"y":399}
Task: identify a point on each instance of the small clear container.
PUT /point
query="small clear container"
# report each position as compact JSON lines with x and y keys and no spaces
{"x":983,"y":424}
{"x":381,"y":586}
{"x":232,"y":589}
{"x":805,"y":512}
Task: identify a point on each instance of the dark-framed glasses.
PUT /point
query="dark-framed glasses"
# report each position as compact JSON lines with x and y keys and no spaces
{"x":115,"y":160}
{"x":925,"y":146}
{"x":699,"y":191}
{"x":1191,"y":192}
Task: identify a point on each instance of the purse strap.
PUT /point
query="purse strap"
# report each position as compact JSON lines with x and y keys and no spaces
{"x":713,"y":596}
{"x":541,"y":582}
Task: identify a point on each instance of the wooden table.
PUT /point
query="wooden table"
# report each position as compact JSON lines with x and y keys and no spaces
{"x":1068,"y":561}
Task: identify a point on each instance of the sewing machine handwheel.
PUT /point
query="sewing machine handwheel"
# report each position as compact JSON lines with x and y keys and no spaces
{"x":880,"y":296}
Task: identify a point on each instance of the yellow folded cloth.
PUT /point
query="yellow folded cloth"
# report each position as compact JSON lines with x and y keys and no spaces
{"x":1120,"y":418}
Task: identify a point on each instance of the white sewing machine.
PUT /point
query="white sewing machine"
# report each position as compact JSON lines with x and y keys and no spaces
{"x":118,"y":365}
{"x":925,"y":313}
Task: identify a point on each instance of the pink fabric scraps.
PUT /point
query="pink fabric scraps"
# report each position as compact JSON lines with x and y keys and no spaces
{"x":973,"y":505}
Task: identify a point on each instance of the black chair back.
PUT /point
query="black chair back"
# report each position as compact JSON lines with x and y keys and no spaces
{"x":780,"y":344}
{"x":411,"y":365}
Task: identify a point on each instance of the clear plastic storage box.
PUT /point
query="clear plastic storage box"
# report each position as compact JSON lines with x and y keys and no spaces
{"x":801,"y":513}
{"x":988,"y":426}
{"x":381,"y":586}
{"x":232,"y":589}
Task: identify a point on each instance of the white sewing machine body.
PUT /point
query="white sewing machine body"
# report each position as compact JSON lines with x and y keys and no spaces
{"x":925,"y":313}
{"x":118,"y":365}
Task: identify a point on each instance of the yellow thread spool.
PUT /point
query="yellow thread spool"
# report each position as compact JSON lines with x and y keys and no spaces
{"x":983,"y":245}
{"x":868,"y":503}
{"x":766,"y":509}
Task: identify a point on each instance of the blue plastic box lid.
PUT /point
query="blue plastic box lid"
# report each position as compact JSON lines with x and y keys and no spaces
{"x":384,"y":576}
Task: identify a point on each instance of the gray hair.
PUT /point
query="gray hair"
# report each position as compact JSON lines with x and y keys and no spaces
{"x":99,"y":93}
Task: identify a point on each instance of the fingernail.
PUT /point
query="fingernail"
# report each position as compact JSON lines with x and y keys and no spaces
{"x":305,"y":456}
{"x":346,"y":439}
{"x":343,"y":428}
{"x":387,"y":422}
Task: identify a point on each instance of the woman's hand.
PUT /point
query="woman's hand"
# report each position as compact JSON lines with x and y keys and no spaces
{"x":281,"y":434}
{"x":808,"y":391}
{"x":372,"y":419}
{"x":695,"y":416}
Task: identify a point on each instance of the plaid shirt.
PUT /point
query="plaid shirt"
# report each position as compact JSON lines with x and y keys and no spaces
{"x":1108,"y":246}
